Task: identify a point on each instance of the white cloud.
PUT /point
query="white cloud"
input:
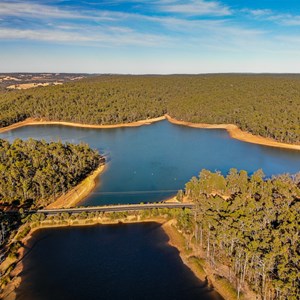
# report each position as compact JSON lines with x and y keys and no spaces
{"x":288,"y":20}
{"x":107,"y":37}
{"x":196,"y":7}
{"x":32,"y":9}
{"x":41,"y":35}
{"x":153,"y":31}
{"x":112,"y":28}
{"x":40,"y":11}
{"x":258,"y":12}
{"x":186,"y":35}
{"x":269,"y":15}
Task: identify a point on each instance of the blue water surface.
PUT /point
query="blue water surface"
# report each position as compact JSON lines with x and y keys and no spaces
{"x":150,"y":163}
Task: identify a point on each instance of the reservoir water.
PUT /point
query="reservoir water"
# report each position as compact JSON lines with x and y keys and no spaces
{"x":150,"y":163}
{"x":107,"y":262}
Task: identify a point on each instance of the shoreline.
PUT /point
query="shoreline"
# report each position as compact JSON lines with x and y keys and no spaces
{"x":234,"y":131}
{"x":32,"y":122}
{"x":79,"y":192}
{"x":174,"y":240}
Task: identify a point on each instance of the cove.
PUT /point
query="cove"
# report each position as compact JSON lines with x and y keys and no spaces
{"x":127,"y":261}
{"x":150,"y":163}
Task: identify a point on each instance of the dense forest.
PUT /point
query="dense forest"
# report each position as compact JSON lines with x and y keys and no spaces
{"x":250,"y":224}
{"x":266,"y":105}
{"x":34,"y":173}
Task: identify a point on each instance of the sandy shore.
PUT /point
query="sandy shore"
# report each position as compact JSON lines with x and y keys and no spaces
{"x":232,"y":129}
{"x":31,"y":121}
{"x":171,"y":200}
{"x":237,"y":133}
{"x":79,"y":192}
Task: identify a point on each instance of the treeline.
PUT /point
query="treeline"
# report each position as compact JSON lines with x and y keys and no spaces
{"x":101,"y":100}
{"x":251,"y":225}
{"x":34,"y":173}
{"x":9,"y":224}
{"x":266,"y":105}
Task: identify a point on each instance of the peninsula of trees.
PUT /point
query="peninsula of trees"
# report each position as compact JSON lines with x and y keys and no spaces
{"x":251,"y":225}
{"x":264,"y":105}
{"x":34,"y":173}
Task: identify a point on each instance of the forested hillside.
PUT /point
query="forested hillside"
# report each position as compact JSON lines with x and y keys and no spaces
{"x":102,"y":100}
{"x":266,"y":105}
{"x":251,"y":225}
{"x":34,"y":173}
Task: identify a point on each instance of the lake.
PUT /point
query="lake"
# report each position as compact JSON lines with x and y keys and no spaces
{"x":130,"y":261}
{"x":150,"y":163}
{"x":144,"y":164}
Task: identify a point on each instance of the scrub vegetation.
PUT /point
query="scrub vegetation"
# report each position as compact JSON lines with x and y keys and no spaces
{"x":265,"y":105}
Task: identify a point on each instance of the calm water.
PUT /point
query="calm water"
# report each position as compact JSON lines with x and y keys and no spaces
{"x":150,"y":163}
{"x":107,"y":262}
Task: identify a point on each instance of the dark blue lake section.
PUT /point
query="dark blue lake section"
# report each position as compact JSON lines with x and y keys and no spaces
{"x":150,"y":163}
{"x":107,"y":262}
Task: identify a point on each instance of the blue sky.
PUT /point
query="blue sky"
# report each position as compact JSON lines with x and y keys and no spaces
{"x":167,"y":36}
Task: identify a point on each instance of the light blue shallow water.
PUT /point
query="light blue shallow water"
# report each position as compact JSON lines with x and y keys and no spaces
{"x":150,"y":163}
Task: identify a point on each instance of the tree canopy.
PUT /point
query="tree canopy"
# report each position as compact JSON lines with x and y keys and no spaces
{"x":265,"y":105}
{"x":252,"y":225}
{"x":34,"y":173}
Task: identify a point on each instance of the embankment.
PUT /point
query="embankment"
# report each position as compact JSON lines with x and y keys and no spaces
{"x":79,"y":192}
